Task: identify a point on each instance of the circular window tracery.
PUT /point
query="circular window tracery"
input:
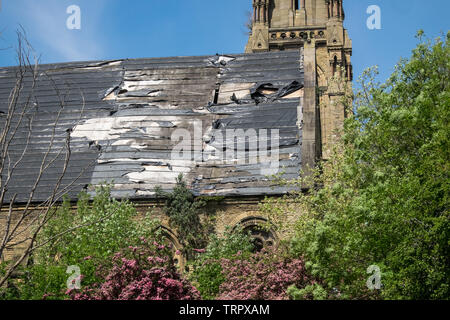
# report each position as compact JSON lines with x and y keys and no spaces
{"x":262,"y":237}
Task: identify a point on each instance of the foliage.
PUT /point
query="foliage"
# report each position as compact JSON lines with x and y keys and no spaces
{"x":265,"y":275}
{"x":384,"y":194}
{"x":144,"y":272}
{"x":183,"y":211}
{"x":207,"y":272}
{"x":108,"y":225}
{"x":100,"y":239}
{"x":281,"y":215}
{"x":9,"y":291}
{"x":381,"y":199}
{"x":310,"y":292}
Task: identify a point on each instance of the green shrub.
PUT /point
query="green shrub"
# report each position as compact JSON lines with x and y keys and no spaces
{"x":207,"y":273}
{"x":310,"y":292}
{"x":108,"y":225}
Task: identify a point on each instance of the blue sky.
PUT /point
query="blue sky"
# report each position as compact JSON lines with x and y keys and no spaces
{"x":112,"y":29}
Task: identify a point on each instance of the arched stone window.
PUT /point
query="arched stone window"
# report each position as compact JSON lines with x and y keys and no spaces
{"x":262,"y":236}
{"x":180,"y":260}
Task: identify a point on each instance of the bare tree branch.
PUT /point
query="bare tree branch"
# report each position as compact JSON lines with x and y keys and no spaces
{"x":22,"y":226}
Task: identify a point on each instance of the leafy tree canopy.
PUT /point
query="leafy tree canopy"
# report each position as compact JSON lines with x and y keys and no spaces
{"x":385,"y":192}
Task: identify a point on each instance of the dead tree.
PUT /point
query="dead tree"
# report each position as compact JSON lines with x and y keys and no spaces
{"x":22,"y":225}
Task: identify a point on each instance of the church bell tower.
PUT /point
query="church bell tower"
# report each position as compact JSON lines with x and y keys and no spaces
{"x":317,"y":28}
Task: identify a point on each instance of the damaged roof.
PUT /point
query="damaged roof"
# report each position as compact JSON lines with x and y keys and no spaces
{"x":121,"y":118}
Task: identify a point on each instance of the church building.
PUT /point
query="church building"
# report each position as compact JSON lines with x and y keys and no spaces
{"x":226,"y":122}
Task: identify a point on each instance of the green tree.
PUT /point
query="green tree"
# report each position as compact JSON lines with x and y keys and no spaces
{"x":183,"y":210}
{"x":384,"y":195}
{"x":98,"y":228}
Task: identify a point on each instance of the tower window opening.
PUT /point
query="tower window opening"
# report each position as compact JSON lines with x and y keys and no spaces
{"x":297,"y":4}
{"x":335,"y":65}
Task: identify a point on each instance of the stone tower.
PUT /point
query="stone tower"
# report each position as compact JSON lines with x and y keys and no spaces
{"x":317,"y":27}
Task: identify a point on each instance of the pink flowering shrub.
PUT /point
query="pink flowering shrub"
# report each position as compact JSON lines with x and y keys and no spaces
{"x":146,"y":272}
{"x":265,"y":275}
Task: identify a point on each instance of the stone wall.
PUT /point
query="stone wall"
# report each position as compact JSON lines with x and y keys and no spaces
{"x":227,"y":213}
{"x":317,"y":26}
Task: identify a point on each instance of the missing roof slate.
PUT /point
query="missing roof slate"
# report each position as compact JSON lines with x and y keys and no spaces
{"x":267,"y":92}
{"x":132,"y":108}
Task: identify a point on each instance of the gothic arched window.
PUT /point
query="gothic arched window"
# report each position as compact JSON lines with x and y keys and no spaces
{"x":297,"y":4}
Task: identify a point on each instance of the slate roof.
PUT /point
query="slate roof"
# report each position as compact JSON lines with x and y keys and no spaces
{"x":120,"y":116}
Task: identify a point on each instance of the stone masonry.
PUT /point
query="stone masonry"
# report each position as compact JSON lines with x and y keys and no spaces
{"x":316,"y":26}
